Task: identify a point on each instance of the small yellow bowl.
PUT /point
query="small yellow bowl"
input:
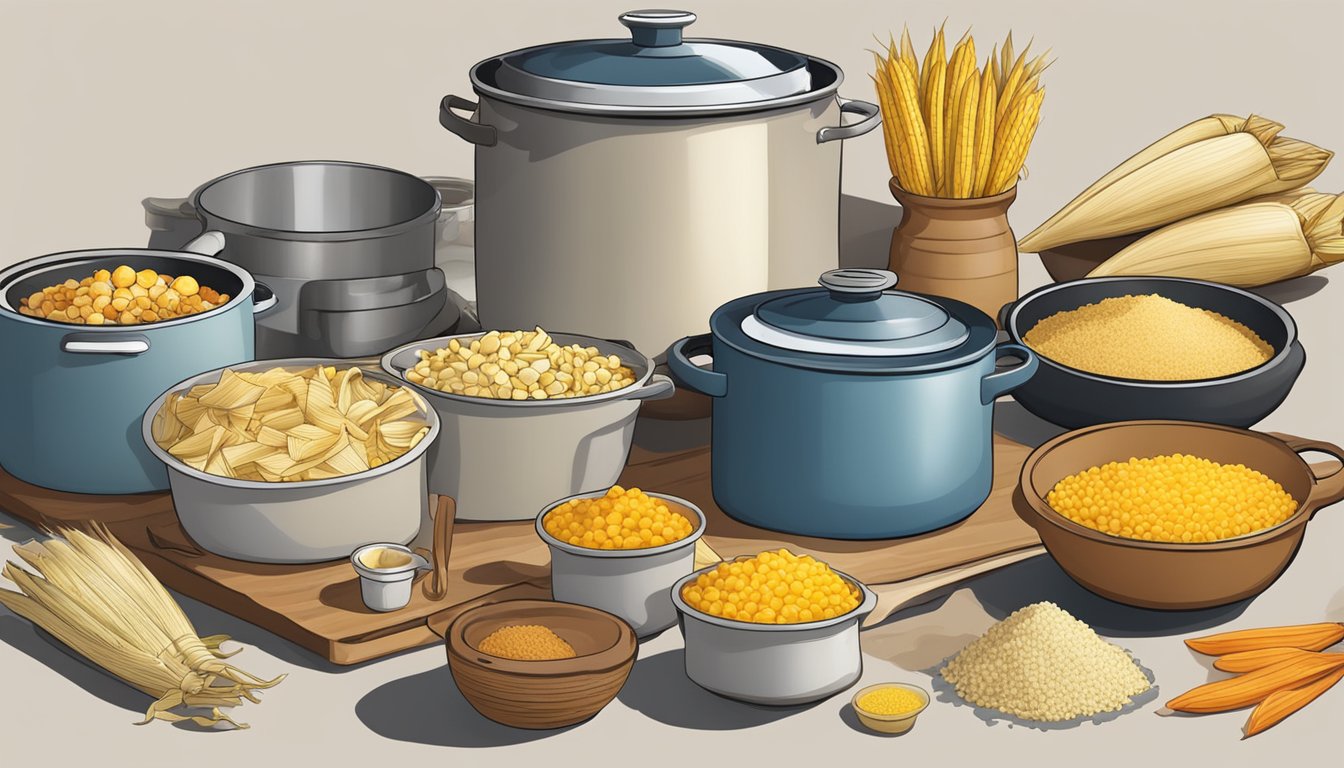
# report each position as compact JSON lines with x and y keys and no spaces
{"x":889,"y":723}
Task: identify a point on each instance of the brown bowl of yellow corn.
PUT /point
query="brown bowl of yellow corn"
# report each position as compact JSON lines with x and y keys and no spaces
{"x":1126,"y":348}
{"x":1174,"y":515}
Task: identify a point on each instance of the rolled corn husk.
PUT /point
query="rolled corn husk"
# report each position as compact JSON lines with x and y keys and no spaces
{"x":1211,"y":163}
{"x":92,"y":594}
{"x":1247,"y":245}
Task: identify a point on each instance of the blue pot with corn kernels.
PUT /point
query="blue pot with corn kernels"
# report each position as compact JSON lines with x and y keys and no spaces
{"x":853,"y":411}
{"x":75,"y":391}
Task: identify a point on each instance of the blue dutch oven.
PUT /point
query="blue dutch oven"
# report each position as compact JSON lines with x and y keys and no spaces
{"x":73,"y":396}
{"x":852,"y":411}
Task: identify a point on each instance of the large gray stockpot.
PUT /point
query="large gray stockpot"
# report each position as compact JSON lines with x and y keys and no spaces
{"x":72,"y":395}
{"x":853,"y":411}
{"x":699,"y":169}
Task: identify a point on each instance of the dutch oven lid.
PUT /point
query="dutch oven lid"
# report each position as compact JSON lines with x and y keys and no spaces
{"x":858,"y":314}
{"x":656,"y":67}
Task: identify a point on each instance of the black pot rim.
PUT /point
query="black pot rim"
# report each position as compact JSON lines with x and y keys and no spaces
{"x":1281,"y":354}
{"x":25,"y":268}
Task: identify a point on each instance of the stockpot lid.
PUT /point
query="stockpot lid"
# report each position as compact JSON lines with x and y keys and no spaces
{"x":655,"y":68}
{"x":858,"y":315}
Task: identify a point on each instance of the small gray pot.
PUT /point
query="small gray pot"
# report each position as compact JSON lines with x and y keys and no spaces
{"x":629,"y":583}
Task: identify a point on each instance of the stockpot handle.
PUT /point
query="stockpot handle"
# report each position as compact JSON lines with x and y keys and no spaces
{"x":130,"y":344}
{"x":872,"y":117}
{"x":263,"y":299}
{"x":206,"y":244}
{"x":995,"y":385}
{"x":698,"y":379}
{"x":474,"y":133}
{"x":1325,"y":489}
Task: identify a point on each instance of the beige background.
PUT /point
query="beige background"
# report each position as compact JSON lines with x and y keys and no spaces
{"x":106,"y":103}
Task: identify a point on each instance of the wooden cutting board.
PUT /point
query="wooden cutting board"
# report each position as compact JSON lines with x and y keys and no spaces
{"x":319,"y":608}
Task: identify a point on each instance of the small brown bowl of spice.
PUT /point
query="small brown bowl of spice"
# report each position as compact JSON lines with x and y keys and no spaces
{"x":890,"y":707}
{"x":539,"y":664}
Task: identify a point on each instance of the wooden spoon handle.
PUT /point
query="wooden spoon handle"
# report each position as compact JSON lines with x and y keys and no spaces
{"x":436,"y":587}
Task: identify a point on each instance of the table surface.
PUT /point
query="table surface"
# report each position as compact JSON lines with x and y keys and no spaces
{"x":407,"y":708}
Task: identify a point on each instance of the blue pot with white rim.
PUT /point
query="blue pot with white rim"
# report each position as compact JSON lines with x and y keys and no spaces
{"x":73,"y":397}
{"x":852,"y":411}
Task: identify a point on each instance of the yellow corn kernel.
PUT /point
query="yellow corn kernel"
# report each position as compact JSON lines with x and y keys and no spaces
{"x":123,"y":277}
{"x":186,"y":285}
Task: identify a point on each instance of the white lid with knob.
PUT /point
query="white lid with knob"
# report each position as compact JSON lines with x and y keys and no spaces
{"x":858,"y":314}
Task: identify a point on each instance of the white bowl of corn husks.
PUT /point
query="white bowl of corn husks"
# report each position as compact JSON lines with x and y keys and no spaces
{"x":276,"y":470}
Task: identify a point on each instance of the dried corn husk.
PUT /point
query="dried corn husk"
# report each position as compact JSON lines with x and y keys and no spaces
{"x":1245,"y":245}
{"x":92,"y":594}
{"x":1210,"y":163}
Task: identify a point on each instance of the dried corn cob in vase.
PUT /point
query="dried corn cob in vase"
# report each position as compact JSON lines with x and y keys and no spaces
{"x":1244,"y":245}
{"x":1209,"y":164}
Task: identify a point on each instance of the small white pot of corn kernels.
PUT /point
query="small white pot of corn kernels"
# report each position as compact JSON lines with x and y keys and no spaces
{"x":631,"y":584}
{"x":773,"y":664}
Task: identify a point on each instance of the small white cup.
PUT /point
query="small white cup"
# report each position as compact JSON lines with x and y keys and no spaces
{"x":387,"y":589}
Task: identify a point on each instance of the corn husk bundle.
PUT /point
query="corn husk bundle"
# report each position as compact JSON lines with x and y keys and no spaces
{"x":1279,"y":670}
{"x":952,"y":129}
{"x":1211,"y":163}
{"x":1274,"y":238}
{"x":92,"y":594}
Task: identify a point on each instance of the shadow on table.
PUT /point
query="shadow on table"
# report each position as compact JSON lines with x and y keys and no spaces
{"x":428,"y":709}
{"x":659,"y":688}
{"x":51,"y":653}
{"x":1040,"y":579}
{"x":209,"y":620}
{"x":1289,"y":291}
{"x":851,"y":718}
{"x":865,"y":231}
{"x":1021,"y":426}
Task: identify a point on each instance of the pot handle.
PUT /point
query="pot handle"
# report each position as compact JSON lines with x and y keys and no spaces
{"x":263,"y":299}
{"x":1004,"y":312}
{"x":1326,"y":489}
{"x":206,"y":244}
{"x":698,"y":379}
{"x":995,"y":385}
{"x":167,"y":207}
{"x":105,"y":343}
{"x":474,"y":133}
{"x":872,"y":117}
{"x":660,"y":387}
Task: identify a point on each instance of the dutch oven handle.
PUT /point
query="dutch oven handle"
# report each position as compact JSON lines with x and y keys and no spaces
{"x":130,"y":344}
{"x":705,"y":382}
{"x":872,"y":117}
{"x":473,"y":133}
{"x":1325,"y":489}
{"x":1005,"y":311}
{"x":995,"y":385}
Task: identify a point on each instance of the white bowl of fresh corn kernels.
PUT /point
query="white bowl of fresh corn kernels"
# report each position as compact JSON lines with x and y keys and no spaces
{"x":774,"y":664}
